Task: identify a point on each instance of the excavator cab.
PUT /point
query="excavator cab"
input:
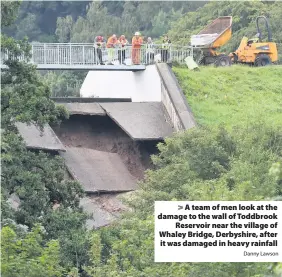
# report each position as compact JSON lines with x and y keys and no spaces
{"x":255,"y":50}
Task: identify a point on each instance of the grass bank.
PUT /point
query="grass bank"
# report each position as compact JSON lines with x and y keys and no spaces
{"x":236,"y":95}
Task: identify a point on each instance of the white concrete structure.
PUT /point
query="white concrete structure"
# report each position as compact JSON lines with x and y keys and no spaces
{"x":141,"y":86}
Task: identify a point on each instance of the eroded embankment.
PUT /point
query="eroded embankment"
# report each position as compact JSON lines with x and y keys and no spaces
{"x":103,"y":134}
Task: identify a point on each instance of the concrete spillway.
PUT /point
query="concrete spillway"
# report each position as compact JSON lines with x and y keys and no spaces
{"x":142,"y":86}
{"x":98,"y":171}
{"x":141,"y":121}
{"x":112,"y":131}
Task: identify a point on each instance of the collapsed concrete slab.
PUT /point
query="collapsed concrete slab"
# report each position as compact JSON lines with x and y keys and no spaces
{"x":35,"y":139}
{"x":98,"y":171}
{"x":103,"y":209}
{"x":141,"y":121}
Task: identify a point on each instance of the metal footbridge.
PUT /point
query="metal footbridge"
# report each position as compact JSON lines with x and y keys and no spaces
{"x":83,"y":56}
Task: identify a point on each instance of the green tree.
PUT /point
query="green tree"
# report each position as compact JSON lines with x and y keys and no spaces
{"x":29,"y":255}
{"x":37,"y":178}
{"x":44,"y":15}
{"x":64,"y":84}
{"x":160,"y":24}
{"x":9,"y":12}
{"x":106,"y":18}
{"x":129,"y":22}
{"x":64,"y":26}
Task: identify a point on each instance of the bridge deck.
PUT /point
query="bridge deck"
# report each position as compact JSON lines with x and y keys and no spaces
{"x":86,"y":67}
{"x":83,"y":56}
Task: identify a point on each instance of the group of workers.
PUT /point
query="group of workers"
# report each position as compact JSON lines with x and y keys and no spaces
{"x":121,"y":44}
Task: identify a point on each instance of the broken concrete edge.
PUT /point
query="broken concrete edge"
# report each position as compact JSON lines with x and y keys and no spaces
{"x":37,"y":132}
{"x":93,"y":192}
{"x":59,"y":100}
{"x":92,"y":187}
{"x":85,"y":113}
{"x":73,"y":176}
{"x":177,"y":99}
{"x":99,"y":216}
{"x":97,"y":192}
{"x":77,"y":108}
{"x":128,"y":133}
{"x":45,"y":148}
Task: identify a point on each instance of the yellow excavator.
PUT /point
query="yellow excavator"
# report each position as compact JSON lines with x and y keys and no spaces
{"x":254,"y":51}
{"x":251,"y":51}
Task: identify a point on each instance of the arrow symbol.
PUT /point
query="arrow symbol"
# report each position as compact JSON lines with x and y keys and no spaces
{"x":180,"y":207}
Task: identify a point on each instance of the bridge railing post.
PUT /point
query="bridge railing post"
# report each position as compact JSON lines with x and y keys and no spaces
{"x":83,"y":54}
{"x":58,"y":54}
{"x":44,"y":53}
{"x":70,"y":54}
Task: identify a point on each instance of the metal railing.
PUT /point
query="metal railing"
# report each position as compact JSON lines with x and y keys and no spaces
{"x":86,"y":54}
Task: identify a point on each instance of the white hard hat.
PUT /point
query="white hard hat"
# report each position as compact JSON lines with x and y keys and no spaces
{"x":137,"y":34}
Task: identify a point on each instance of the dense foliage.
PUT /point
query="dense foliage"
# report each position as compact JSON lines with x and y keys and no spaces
{"x":81,"y":21}
{"x":33,"y":183}
{"x":37,"y":19}
{"x":29,"y":255}
{"x":65,"y":83}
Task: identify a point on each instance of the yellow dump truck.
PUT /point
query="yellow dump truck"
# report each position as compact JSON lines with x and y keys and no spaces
{"x":252,"y":51}
{"x":211,"y":38}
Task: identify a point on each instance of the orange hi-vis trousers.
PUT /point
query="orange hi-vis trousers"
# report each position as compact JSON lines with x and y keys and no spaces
{"x":136,"y":53}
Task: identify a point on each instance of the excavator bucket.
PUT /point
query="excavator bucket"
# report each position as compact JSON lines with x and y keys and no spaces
{"x":214,"y":35}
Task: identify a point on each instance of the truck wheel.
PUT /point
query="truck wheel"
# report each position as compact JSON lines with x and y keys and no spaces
{"x":262,"y":60}
{"x":222,"y":60}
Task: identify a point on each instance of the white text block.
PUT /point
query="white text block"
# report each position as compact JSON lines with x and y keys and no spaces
{"x":218,"y":231}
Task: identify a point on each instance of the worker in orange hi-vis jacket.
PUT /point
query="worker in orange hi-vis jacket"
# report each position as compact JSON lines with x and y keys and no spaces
{"x":122,"y":42}
{"x":111,"y":45}
{"x":136,"y":48}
